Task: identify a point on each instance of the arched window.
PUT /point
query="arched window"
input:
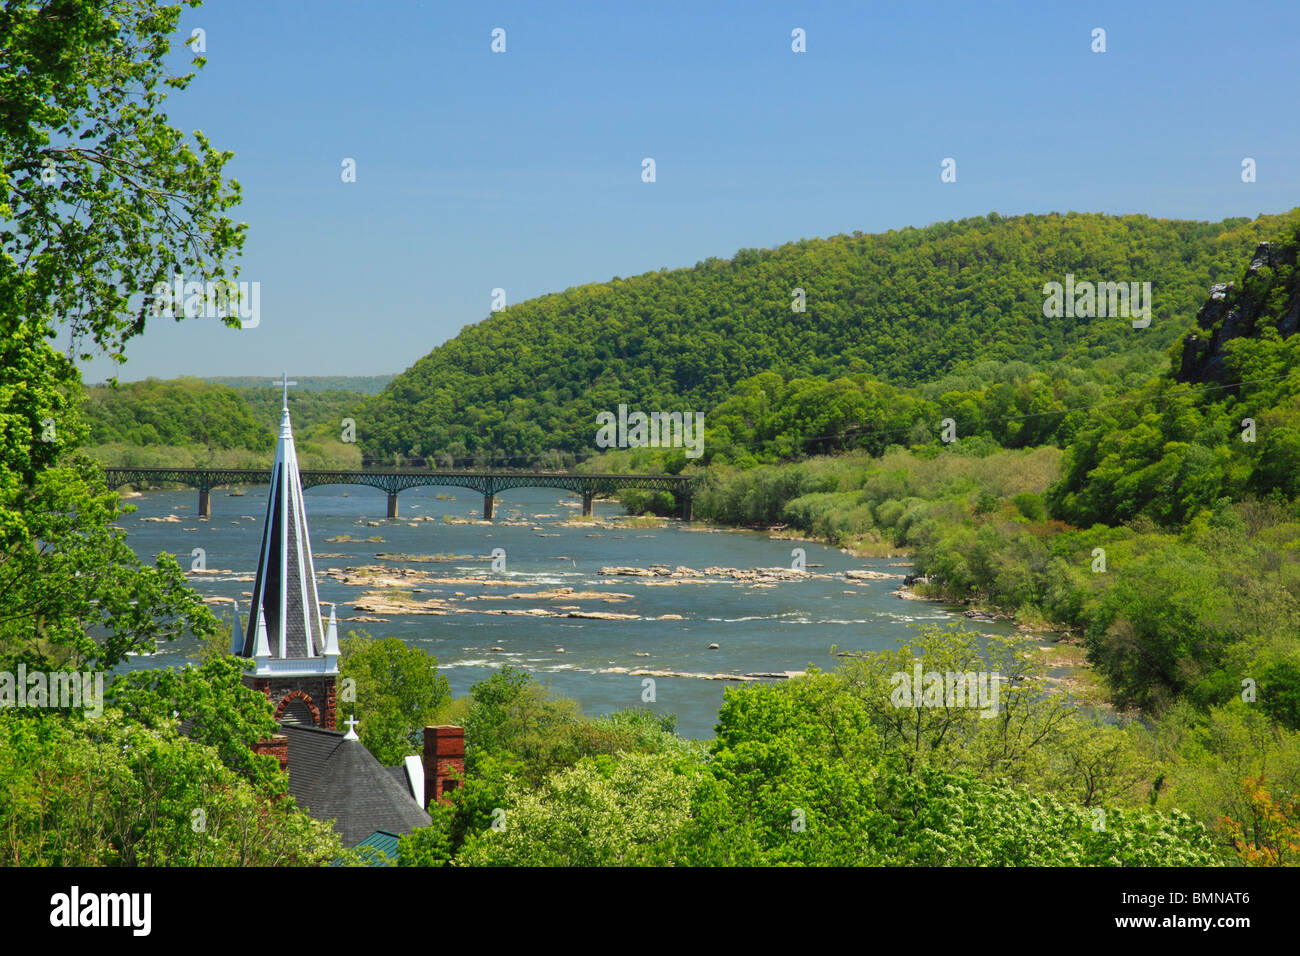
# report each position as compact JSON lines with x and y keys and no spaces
{"x":298,"y":708}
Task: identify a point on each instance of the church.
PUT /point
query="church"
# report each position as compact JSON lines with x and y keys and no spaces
{"x":295,"y":653}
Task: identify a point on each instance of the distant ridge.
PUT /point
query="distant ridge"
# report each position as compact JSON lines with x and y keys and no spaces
{"x":364,"y":384}
{"x":906,"y":307}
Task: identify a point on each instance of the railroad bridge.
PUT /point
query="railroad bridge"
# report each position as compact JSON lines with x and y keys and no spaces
{"x":488,"y":483}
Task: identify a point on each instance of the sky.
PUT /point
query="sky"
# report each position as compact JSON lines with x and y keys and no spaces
{"x":522,"y":170}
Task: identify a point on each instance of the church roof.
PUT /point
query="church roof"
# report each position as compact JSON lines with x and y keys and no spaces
{"x":284,"y":622}
{"x":339,"y":779}
{"x":379,"y":842}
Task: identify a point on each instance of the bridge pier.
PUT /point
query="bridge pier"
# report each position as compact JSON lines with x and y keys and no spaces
{"x":587,"y":500}
{"x":684,"y":501}
{"x":205,"y":503}
{"x":392,"y":506}
{"x":487,"y":507}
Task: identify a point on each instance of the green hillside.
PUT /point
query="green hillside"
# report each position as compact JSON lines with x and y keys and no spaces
{"x":904,"y":306}
{"x":188,"y":422}
{"x":1165,"y":534}
{"x":310,"y":410}
{"x":175,"y":412}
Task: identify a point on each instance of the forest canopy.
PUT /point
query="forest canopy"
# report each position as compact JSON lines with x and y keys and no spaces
{"x":905,"y":307}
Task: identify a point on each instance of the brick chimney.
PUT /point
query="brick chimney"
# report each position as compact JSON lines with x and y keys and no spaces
{"x":444,"y":755}
{"x":277,"y":746}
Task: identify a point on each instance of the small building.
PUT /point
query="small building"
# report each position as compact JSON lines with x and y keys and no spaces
{"x":334,"y":777}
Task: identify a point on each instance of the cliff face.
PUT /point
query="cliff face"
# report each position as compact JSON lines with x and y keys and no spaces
{"x":1269,"y":295}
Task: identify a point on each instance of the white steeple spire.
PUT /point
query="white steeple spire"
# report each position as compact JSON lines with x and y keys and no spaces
{"x":332,"y":640}
{"x":236,"y":634}
{"x":261,"y":649}
{"x":286,"y":605}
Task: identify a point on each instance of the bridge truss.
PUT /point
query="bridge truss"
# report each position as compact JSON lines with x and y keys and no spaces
{"x":487,"y":483}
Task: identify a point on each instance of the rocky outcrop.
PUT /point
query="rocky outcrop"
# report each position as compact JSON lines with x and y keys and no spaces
{"x":1235,"y":311}
{"x":757,"y":676}
{"x":757,"y":577}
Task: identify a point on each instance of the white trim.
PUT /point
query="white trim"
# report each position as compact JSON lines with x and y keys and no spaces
{"x":236,"y":634}
{"x":282,"y":469}
{"x":261,"y":652}
{"x":415,"y":777}
{"x":315,"y":623}
{"x":259,"y":599}
{"x":294,"y":667}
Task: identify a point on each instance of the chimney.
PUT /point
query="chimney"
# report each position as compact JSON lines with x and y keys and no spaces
{"x":444,"y":755}
{"x":277,"y":746}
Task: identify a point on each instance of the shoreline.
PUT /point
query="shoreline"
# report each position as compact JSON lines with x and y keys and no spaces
{"x":376,"y":602}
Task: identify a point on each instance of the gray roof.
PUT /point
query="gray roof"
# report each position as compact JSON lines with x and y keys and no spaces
{"x":403,"y":781}
{"x":340,"y":779}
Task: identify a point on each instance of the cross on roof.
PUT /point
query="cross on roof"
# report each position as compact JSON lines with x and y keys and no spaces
{"x":352,"y":723}
{"x":285,"y":383}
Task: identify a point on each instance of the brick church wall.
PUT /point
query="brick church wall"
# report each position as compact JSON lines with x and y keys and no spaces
{"x":316,"y":692}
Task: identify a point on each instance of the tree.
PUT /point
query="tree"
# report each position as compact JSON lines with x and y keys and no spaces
{"x":114,"y":792}
{"x":398,"y":693}
{"x":72,"y":593}
{"x":1009,"y":737}
{"x":884,"y":304}
{"x":604,"y":811}
{"x":1159,"y":629}
{"x":99,"y":199}
{"x":517,"y":720}
{"x":1269,"y":834}
{"x":215,"y":706}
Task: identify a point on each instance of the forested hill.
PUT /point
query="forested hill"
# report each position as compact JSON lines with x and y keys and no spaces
{"x":189,"y":422}
{"x":904,"y":306}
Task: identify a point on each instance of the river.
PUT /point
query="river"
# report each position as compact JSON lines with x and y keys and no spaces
{"x":757,"y":627}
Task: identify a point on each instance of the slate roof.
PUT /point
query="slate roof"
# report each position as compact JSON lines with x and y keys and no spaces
{"x":340,"y":779}
{"x":403,"y":781}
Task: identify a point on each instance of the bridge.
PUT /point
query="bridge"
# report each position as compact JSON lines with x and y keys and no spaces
{"x":487,"y":483}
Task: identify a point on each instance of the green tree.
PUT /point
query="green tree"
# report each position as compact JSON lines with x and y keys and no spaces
{"x":132,"y":201}
{"x":115,"y":792}
{"x":398,"y":693}
{"x":513,"y":718}
{"x":721,"y":338}
{"x":604,"y":811}
{"x":82,"y":83}
{"x":217,"y":709}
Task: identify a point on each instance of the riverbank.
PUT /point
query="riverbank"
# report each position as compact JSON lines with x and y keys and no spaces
{"x":720,"y":606}
{"x":1064,"y":656}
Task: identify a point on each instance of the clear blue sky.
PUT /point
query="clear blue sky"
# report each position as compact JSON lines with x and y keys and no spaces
{"x":522,"y":170}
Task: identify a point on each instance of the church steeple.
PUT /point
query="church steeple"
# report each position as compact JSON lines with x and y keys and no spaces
{"x":285,"y":634}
